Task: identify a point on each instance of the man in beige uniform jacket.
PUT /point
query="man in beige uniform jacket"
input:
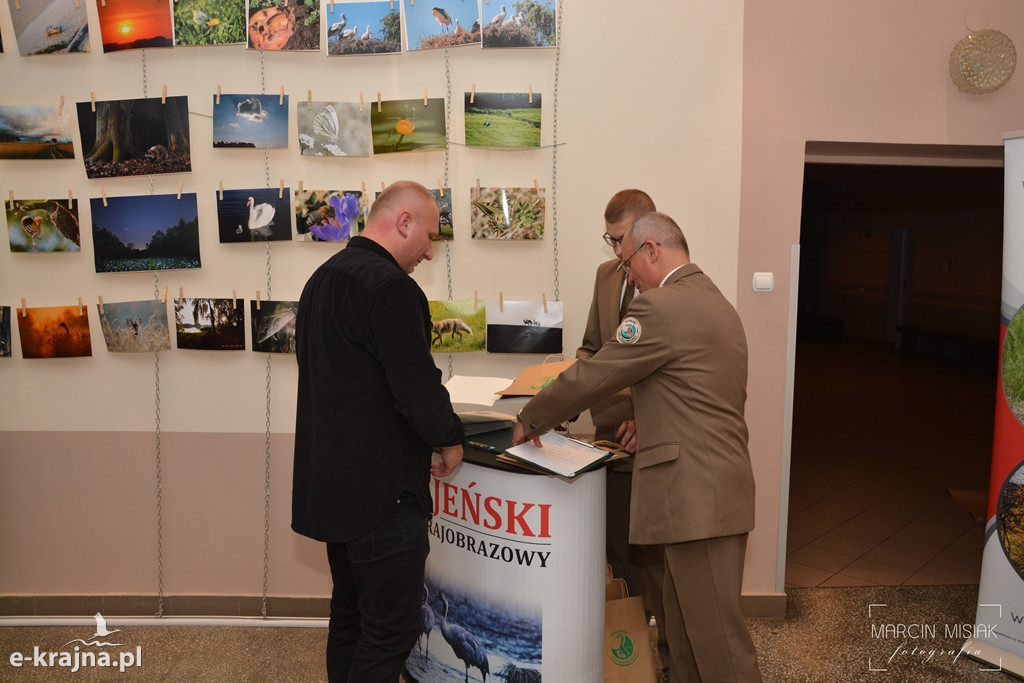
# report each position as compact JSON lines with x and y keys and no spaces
{"x":683,"y":352}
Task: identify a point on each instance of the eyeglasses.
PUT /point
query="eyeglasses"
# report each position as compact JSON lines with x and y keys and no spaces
{"x":624,"y":265}
{"x":612,"y":241}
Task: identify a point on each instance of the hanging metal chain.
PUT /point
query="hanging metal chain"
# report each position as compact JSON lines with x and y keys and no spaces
{"x":554,"y":147}
{"x":447,"y":154}
{"x":266,"y":471}
{"x":159,"y":477}
{"x":145,"y":83}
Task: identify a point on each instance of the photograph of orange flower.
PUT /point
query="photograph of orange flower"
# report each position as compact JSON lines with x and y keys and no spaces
{"x":135,"y":24}
{"x":408,"y":126}
{"x":54,"y":332}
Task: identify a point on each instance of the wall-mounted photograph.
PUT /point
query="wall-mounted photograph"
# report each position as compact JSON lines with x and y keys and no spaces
{"x":333,"y":129}
{"x":250,"y":121}
{"x":48,"y":27}
{"x":526,"y":23}
{"x":135,"y":24}
{"x":445,"y":224}
{"x":273,"y":326}
{"x":209,"y":22}
{"x":283,"y":24}
{"x":524,"y":327}
{"x":441,"y":24}
{"x":35,"y":132}
{"x":329,"y":215}
{"x":458,"y":325}
{"x":54,"y":332}
{"x":254,"y":215}
{"x":135,"y":137}
{"x":43,"y":225}
{"x":507,"y":213}
{"x":145,"y":232}
{"x":5,"y":331}
{"x":210,"y":324}
{"x":1012,"y":366}
{"x":135,"y":326}
{"x":408,"y":126}
{"x":363,"y":28}
{"x":503,"y":119}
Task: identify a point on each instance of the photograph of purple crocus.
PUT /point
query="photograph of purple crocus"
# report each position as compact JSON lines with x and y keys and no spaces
{"x":329,"y":215}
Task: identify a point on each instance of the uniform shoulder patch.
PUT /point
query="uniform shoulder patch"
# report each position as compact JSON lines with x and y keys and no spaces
{"x":629,"y":331}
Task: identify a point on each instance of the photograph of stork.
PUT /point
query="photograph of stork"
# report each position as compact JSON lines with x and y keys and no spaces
{"x":441,"y":23}
{"x":250,"y":121}
{"x":210,"y":324}
{"x":254,"y":215}
{"x":459,"y":325}
{"x":273,"y":326}
{"x":283,"y":24}
{"x":49,"y":27}
{"x":329,"y":215}
{"x":43,"y":225}
{"x":524,"y":23}
{"x":408,"y":126}
{"x":209,"y":22}
{"x":54,"y":332}
{"x":35,"y":132}
{"x":363,"y":28}
{"x":135,"y":326}
{"x":135,"y":24}
{"x":135,"y":137}
{"x":333,"y":129}
{"x":145,"y":232}
{"x":507,"y":213}
{"x":503,"y":119}
{"x":5,"y":331}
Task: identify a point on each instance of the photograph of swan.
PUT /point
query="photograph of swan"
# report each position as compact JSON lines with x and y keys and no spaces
{"x":254,"y":215}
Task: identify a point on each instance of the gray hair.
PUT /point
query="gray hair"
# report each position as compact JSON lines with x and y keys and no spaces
{"x":658,"y":227}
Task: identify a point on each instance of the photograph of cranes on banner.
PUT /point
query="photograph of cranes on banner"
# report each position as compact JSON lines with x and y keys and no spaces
{"x":35,"y":132}
{"x":1012,"y":366}
{"x":43,"y":225}
{"x":135,"y":137}
{"x":209,"y":22}
{"x":526,"y":23}
{"x":249,"y":121}
{"x":364,"y":28}
{"x":408,"y":126}
{"x":49,"y":27}
{"x":145,"y":232}
{"x":441,"y":24}
{"x":135,"y":326}
{"x":282,"y":25}
{"x":507,"y":213}
{"x":333,"y":129}
{"x":329,"y":215}
{"x":54,"y":332}
{"x":210,"y":324}
{"x":254,"y":215}
{"x":135,"y":24}
{"x":503,"y":119}
{"x":459,"y":325}
{"x":273,"y":326}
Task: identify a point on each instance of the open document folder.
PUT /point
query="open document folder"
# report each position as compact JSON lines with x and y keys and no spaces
{"x":560,"y":455}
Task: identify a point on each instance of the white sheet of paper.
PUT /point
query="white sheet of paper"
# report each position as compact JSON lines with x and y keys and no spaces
{"x":559,"y":454}
{"x":478,"y":391}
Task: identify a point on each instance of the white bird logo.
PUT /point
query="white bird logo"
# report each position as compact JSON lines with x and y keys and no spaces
{"x":101,"y":627}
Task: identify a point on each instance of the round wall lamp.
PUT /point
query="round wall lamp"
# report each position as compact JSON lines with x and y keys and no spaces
{"x":982,"y":62}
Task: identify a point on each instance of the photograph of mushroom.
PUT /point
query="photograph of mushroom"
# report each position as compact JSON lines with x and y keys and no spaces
{"x":524,"y":23}
{"x":49,"y":27}
{"x":333,"y":129}
{"x":283,"y":24}
{"x":408,"y":126}
{"x":135,"y":326}
{"x":43,"y":225}
{"x":458,"y":325}
{"x":135,"y":24}
{"x":54,"y":332}
{"x":502,"y":119}
{"x":363,"y":28}
{"x":211,"y":324}
{"x":250,"y":121}
{"x":329,"y":215}
{"x":35,"y":132}
{"x":254,"y":215}
{"x":273,"y":326}
{"x":209,"y":22}
{"x":145,"y":232}
{"x":507,"y":213}
{"x":135,"y":137}
{"x":441,"y":24}
{"x":5,"y":331}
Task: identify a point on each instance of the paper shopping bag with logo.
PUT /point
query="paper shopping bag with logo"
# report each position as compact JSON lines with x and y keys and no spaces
{"x":628,"y":655}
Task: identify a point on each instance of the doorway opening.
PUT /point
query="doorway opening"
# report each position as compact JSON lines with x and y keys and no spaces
{"x":896,"y":363}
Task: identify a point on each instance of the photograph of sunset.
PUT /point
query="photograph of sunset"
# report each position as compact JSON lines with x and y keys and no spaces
{"x":135,"y":24}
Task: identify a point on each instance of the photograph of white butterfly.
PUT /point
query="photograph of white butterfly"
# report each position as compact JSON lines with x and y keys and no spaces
{"x":333,"y":129}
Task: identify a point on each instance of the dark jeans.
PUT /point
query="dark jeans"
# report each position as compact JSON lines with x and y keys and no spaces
{"x":378,"y":590}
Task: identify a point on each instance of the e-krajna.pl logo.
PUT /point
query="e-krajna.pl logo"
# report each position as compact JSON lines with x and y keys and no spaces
{"x":80,"y":657}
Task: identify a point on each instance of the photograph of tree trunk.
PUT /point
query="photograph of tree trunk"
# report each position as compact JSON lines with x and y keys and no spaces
{"x":135,"y":137}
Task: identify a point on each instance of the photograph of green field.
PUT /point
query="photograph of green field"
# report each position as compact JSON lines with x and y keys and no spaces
{"x":28,"y":132}
{"x":503,"y":119}
{"x":1013,"y":365}
{"x":458,"y":325}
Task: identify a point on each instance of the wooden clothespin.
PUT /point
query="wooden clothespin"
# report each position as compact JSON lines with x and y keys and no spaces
{"x":472,"y":94}
{"x":478,"y":188}
{"x":475,"y":299}
{"x":332,"y":5}
{"x":163,"y":95}
{"x":80,"y":311}
{"x":364,"y":189}
{"x":280,"y":100}
{"x":544,"y":299}
{"x":300,"y":187}
{"x":531,"y":93}
{"x":12,"y":200}
{"x":71,"y":200}
{"x":360,"y":103}
{"x":218,"y":95}
{"x":440,"y":187}
{"x":309,"y":97}
{"x":181,"y":185}
{"x":181,"y":294}
{"x":280,"y":189}
{"x":536,"y":186}
{"x":234,"y":300}
{"x":501,"y":302}
{"x":101,"y":305}
{"x":103,"y":193}
{"x":24,"y":308}
{"x":382,"y":186}
{"x":163,"y":297}
{"x":60,"y":109}
{"x":378,"y":101}
{"x":392,"y":4}
{"x":221,"y":197}
{"x":17,"y":5}
{"x":257,"y":299}
{"x":424,"y":96}
{"x":92,"y":96}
